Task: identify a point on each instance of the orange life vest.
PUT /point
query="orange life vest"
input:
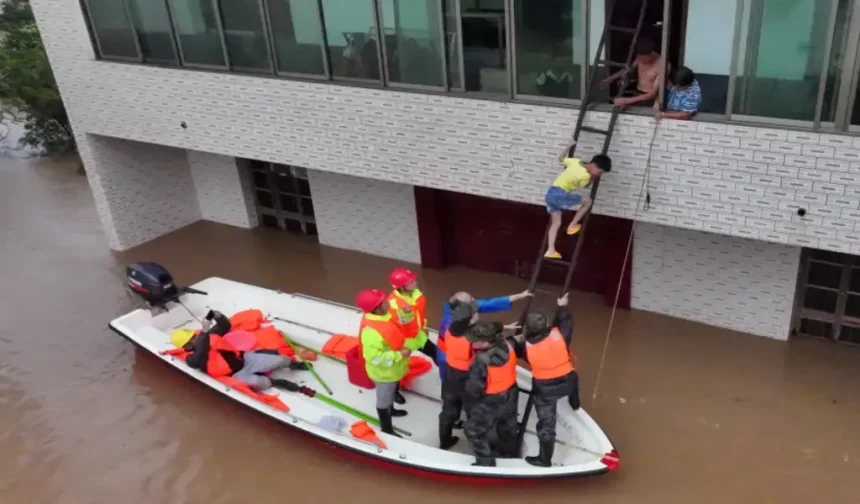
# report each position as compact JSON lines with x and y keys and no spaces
{"x":269,"y":338}
{"x":388,"y":329}
{"x":458,"y":352}
{"x":501,"y":378}
{"x":217,"y":366}
{"x":549,"y":358}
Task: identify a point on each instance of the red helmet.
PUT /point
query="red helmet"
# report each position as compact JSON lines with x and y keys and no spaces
{"x":400,"y":277}
{"x":369,"y":299}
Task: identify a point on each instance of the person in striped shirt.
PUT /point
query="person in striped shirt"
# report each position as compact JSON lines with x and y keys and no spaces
{"x":684,"y":97}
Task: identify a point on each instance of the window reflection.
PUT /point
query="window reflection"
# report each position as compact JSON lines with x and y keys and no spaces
{"x":244,"y":34}
{"x":154,"y":31}
{"x":113,"y":29}
{"x":350,"y":27}
{"x":413,"y":47}
{"x":546,"y":33}
{"x":197,"y":30}
{"x":298,"y":36}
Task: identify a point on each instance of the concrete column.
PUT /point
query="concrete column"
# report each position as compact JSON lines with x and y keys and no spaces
{"x":224,"y":189}
{"x":141,"y":191}
{"x":366,"y":215}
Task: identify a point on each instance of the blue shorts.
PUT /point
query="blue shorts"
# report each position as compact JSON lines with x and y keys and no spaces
{"x":559,"y":200}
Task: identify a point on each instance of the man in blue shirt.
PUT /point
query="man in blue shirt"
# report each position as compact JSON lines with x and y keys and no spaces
{"x":492,"y":305}
{"x":684,"y":97}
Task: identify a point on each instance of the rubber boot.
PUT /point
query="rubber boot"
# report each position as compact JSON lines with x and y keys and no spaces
{"x":446,"y":439}
{"x":544,"y":458}
{"x":385,"y":422}
{"x":298,"y":366}
{"x":573,"y":401}
{"x":398,"y":397}
{"x":485,"y":461}
{"x":397,"y":412}
{"x":459,"y":424}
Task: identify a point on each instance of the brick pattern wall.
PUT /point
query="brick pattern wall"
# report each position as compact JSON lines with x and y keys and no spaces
{"x":222,"y":193}
{"x":736,"y":283}
{"x":366,"y":215}
{"x":141,"y":191}
{"x":727,"y":179}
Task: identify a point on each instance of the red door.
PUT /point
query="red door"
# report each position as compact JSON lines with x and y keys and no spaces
{"x":505,"y":237}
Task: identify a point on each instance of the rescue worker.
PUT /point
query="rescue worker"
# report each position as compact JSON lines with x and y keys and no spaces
{"x":458,"y":358}
{"x":214,"y":356}
{"x":381,"y":343}
{"x":491,"y":393}
{"x":546,"y":349}
{"x":408,"y":304}
{"x":491,"y":305}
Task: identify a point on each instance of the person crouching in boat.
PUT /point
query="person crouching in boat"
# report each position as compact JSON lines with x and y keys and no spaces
{"x":208,"y":352}
{"x":381,"y":343}
{"x":547,"y":351}
{"x":491,"y":393}
{"x":408,"y":304}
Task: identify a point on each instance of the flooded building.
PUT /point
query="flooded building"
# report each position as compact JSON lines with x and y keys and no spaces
{"x":428,"y":130}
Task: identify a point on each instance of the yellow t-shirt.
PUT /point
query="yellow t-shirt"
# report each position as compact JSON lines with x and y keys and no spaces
{"x":574,"y":176}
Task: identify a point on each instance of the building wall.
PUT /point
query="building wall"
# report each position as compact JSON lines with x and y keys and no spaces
{"x":224,"y":192}
{"x":727,"y":179}
{"x":736,"y":283}
{"x":141,"y":191}
{"x":366,"y":215}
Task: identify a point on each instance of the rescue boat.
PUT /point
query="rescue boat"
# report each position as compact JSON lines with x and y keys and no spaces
{"x":581,"y":446}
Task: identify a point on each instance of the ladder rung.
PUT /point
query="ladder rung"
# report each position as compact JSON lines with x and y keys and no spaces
{"x":622,"y":29}
{"x":594,"y":130}
{"x":556,"y":261}
{"x":611,"y":63}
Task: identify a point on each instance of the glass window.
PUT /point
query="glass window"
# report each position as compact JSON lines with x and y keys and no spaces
{"x":546,"y":34}
{"x":710,"y":34}
{"x":782,"y":57}
{"x":154,"y":32}
{"x":298,"y":36}
{"x":196,"y":24}
{"x":837,"y":57}
{"x":413,"y":45}
{"x":113,"y":29}
{"x":485,"y":57}
{"x":350,"y":28}
{"x":246,"y":40}
{"x":452,"y":44}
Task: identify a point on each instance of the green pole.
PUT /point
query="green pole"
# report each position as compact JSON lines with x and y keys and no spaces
{"x":309,"y":366}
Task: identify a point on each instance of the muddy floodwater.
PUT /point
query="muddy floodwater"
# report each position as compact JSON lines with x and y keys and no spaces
{"x":700,"y":415}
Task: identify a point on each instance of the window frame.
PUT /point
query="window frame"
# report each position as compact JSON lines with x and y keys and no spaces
{"x":175,"y":63}
{"x":95,"y":35}
{"x":266,"y":34}
{"x":380,"y":25}
{"x":219,"y":26}
{"x":581,"y":49}
{"x":273,"y":48}
{"x":380,"y":55}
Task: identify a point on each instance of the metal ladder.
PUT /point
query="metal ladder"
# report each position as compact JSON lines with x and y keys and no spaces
{"x":587,"y":103}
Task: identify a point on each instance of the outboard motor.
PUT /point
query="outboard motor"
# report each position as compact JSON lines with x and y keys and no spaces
{"x":152,"y":282}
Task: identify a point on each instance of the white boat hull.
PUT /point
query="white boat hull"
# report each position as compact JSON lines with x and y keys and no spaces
{"x":581,"y":449}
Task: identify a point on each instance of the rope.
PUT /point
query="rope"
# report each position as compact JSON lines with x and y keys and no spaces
{"x":642,"y":190}
{"x":189,"y":311}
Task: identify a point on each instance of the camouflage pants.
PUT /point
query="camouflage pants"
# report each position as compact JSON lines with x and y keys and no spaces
{"x":453,"y":389}
{"x":546,"y":397}
{"x":497,"y":411}
{"x":545,"y":409}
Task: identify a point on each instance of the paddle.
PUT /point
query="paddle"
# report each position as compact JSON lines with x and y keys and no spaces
{"x":306,"y":363}
{"x":307,"y":391}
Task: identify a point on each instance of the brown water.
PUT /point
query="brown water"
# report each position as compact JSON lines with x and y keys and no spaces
{"x":700,"y":415}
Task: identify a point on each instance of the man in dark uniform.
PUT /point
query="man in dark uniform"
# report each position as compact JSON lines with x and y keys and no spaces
{"x":546,"y":349}
{"x":491,"y":393}
{"x":463,"y":315}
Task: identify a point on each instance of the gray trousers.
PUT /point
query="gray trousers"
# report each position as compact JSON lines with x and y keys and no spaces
{"x":385,"y":392}
{"x":256,"y":364}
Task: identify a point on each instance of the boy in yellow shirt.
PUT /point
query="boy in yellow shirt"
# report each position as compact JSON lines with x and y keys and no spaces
{"x":562,"y":194}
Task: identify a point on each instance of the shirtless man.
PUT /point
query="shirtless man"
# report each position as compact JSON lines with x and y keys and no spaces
{"x":649,"y":66}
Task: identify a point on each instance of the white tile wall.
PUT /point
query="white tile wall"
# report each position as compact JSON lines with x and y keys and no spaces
{"x":141,"y":191}
{"x":224,"y":192}
{"x":370,"y":216}
{"x":727,"y":179}
{"x":736,"y":283}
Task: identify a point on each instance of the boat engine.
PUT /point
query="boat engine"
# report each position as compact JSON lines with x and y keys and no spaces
{"x":152,"y":282}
